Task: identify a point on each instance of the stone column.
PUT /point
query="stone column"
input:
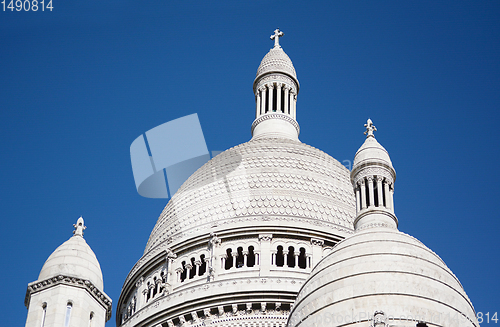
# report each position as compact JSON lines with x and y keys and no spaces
{"x":380,"y":192}
{"x":189,"y":266}
{"x":265,"y":251}
{"x":139,"y":285}
{"x":270,"y":103}
{"x":392,"y":197}
{"x":235,"y":255}
{"x":296,"y":254}
{"x":294,"y":106}
{"x":223,"y":258}
{"x":387,"y":195}
{"x":285,"y":256}
{"x":358,"y":199}
{"x":370,"y":191}
{"x":245,"y":258}
{"x":278,"y":97}
{"x":362,"y":185}
{"x":257,"y":104}
{"x":263,"y":99}
{"x":197,"y":264}
{"x":287,"y":99}
{"x":178,"y":271}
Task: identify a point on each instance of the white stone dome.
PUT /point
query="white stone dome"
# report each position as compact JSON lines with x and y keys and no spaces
{"x":73,"y":258}
{"x":276,"y":60}
{"x":381,"y":269}
{"x":371,"y":152}
{"x":267,"y":177}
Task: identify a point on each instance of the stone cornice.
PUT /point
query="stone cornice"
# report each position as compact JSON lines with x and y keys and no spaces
{"x":276,"y":116}
{"x":41,"y":285}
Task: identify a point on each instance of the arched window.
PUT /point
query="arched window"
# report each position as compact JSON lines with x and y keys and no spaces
{"x":302,"y":258}
{"x":148,"y":296}
{"x":280,"y":258}
{"x":239,"y":259}
{"x":69,"y":306}
{"x":154,"y":286}
{"x":229,"y":259}
{"x":91,"y":318}
{"x":251,"y":257}
{"x":44,"y":312}
{"x":192,"y":271}
{"x":184,"y":271}
{"x":290,"y":258}
{"x":203,"y":267}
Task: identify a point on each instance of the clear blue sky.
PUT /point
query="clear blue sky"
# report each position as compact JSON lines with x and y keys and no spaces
{"x":80,"y":83}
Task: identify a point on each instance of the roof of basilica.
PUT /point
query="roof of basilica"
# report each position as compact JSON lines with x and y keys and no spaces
{"x":275,"y":177}
{"x":381,"y":269}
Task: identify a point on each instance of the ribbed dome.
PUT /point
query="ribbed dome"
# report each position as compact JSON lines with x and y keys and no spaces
{"x":385,"y":270}
{"x":371,"y":152}
{"x":276,"y":60}
{"x":264,"y":177}
{"x":73,"y":258}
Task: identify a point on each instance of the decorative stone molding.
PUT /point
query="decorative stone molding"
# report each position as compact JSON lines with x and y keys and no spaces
{"x":265,"y":237}
{"x":42,"y":285}
{"x":275,"y":115}
{"x":317,"y":242}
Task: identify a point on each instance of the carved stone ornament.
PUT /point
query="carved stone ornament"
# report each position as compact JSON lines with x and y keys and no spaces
{"x":317,"y":242}
{"x":99,"y":296}
{"x":265,"y":237}
{"x":276,"y":116}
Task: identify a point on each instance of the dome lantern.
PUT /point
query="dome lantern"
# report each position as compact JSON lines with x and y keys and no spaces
{"x":276,"y":88}
{"x":373,"y":179}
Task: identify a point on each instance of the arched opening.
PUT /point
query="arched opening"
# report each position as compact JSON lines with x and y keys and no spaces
{"x":184,"y":271}
{"x":251,"y":257}
{"x":367,"y":194}
{"x":69,"y":306}
{"x":192,"y":271}
{"x":155,"y":287}
{"x":229,"y":259}
{"x":302,"y":258}
{"x":203,"y":267}
{"x":290,"y":258}
{"x":240,"y":259}
{"x":280,"y":258}
{"x":44,"y":312}
{"x":375,"y":192}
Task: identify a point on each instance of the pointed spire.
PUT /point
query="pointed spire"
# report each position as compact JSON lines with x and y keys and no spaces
{"x":79,"y":227}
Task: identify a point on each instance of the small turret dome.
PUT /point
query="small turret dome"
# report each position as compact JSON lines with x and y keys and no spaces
{"x":371,"y":151}
{"x":74,"y":258}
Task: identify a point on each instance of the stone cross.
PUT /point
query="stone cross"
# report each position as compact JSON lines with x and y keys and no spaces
{"x":79,"y":227}
{"x":370,"y":128}
{"x":276,"y":37}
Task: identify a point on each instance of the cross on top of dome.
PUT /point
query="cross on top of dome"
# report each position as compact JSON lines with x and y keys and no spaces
{"x":370,"y":128}
{"x":276,"y":37}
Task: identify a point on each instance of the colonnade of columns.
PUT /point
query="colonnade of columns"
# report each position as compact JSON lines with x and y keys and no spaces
{"x":285,"y":102}
{"x":369,"y":187}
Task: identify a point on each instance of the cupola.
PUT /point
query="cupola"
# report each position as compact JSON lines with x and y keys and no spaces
{"x":276,"y":88}
{"x":373,"y":179}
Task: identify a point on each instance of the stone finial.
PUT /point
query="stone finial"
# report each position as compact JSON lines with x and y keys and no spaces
{"x":79,"y":227}
{"x":370,"y":128}
{"x":276,"y":37}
